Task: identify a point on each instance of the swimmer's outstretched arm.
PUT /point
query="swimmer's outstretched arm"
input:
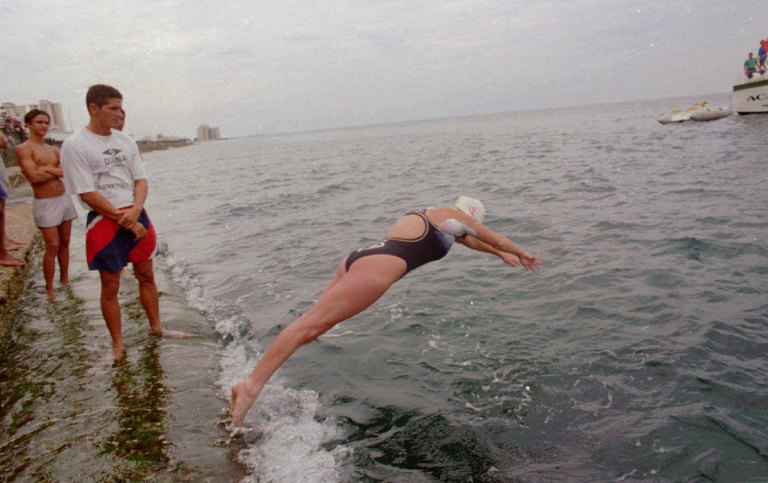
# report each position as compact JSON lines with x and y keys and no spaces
{"x":477,"y":236}
{"x":475,"y":244}
{"x":503,"y":244}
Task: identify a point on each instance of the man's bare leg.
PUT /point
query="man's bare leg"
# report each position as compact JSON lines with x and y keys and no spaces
{"x":65,"y":231}
{"x":150,"y":299}
{"x":7,"y":242}
{"x":51,"y":239}
{"x":6,"y":258}
{"x":110,"y":309}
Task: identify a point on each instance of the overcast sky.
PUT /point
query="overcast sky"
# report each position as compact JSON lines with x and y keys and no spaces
{"x":253,"y":67}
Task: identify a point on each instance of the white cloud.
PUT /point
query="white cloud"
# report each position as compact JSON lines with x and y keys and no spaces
{"x":297,"y":64}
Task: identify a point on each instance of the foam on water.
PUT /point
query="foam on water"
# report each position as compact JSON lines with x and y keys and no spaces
{"x":287,"y":439}
{"x":227,"y":321}
{"x":293,"y":444}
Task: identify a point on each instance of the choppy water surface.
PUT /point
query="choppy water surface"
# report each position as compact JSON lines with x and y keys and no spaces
{"x":639,"y":353}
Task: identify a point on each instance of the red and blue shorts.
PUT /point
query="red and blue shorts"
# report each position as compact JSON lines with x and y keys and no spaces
{"x":110,"y":247}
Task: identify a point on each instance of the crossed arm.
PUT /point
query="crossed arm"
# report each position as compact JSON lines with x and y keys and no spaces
{"x":35,"y":173}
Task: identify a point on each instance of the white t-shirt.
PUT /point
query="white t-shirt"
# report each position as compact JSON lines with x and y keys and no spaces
{"x":106,"y":164}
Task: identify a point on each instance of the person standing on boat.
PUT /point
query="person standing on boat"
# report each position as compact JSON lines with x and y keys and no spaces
{"x":761,"y":55}
{"x":750,"y":66}
{"x":103,"y":167}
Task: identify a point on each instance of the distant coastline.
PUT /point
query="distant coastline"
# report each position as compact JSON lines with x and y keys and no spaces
{"x":15,"y":177}
{"x":146,"y":146}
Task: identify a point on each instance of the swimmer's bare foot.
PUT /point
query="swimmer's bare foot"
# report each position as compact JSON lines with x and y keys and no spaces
{"x":173,"y":334}
{"x":50,"y":294}
{"x":243,"y":398}
{"x":10,"y":261}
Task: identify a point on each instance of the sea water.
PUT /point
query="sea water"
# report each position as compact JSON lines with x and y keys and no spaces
{"x":639,"y":352}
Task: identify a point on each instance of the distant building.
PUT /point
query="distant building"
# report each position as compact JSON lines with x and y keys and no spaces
{"x":161,"y":138}
{"x":207,"y":133}
{"x":56,"y":112}
{"x":13,"y":110}
{"x":52,"y":108}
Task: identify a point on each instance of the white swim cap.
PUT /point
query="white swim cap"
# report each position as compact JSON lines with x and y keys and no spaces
{"x":472,"y":207}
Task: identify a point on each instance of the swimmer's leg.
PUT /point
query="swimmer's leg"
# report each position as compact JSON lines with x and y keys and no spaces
{"x":366,"y":281}
{"x":340,"y":272}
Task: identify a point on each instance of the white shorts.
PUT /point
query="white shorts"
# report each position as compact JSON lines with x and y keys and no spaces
{"x":52,"y":212}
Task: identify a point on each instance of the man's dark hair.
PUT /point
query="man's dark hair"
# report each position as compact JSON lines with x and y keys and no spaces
{"x":99,"y":94}
{"x":33,"y":114}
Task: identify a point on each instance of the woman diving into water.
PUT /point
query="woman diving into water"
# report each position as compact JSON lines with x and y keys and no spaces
{"x":366,"y":274}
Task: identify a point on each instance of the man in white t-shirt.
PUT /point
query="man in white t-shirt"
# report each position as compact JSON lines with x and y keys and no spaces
{"x":103,"y":167}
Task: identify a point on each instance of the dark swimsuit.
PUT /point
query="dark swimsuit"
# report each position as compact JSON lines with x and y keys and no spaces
{"x":432,"y":245}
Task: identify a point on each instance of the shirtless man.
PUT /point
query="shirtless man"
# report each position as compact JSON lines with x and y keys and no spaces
{"x":52,"y":207}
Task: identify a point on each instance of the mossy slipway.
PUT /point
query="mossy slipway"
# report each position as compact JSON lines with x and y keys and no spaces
{"x":69,"y":413}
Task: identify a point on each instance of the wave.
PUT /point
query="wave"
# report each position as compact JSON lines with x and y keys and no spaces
{"x":282,"y":417}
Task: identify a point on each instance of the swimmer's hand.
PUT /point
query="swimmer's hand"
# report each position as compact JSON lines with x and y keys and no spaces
{"x":510,"y":259}
{"x":531,"y":262}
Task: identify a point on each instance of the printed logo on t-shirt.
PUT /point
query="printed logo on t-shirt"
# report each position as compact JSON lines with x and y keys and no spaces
{"x":114,"y":156}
